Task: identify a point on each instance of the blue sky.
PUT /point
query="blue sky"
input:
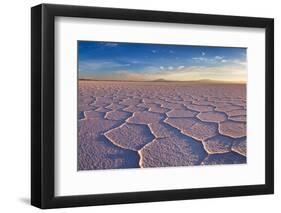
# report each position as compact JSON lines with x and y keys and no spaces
{"x":134,"y":61}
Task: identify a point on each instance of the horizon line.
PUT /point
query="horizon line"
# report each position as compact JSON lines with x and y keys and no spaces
{"x":163,"y":80}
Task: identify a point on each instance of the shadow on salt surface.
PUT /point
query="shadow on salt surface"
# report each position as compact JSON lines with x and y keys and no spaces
{"x":81,"y":115}
{"x":105,"y":155}
{"x":171,"y":148}
{"x":226,"y":158}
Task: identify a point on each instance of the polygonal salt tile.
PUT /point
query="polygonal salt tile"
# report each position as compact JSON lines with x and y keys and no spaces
{"x":181,"y":113}
{"x":134,"y":108}
{"x":130,"y":101}
{"x":238,"y":112}
{"x":233,"y":128}
{"x":172,"y":151}
{"x":85,"y":99}
{"x":241,"y":118}
{"x":100,"y":105}
{"x":173,"y":105}
{"x":163,"y":130}
{"x":145,"y":117}
{"x":103,"y":101}
{"x":240,"y":146}
{"x":226,"y":158}
{"x":117,"y":115}
{"x":94,"y":114}
{"x":218,"y":144}
{"x":159,"y":101}
{"x":115,"y":106}
{"x":158,"y":109}
{"x":203,"y":103}
{"x":239,"y":102}
{"x":96,"y":126}
{"x":150,"y":105}
{"x":212,"y":116}
{"x":130,"y":136}
{"x":118,"y":98}
{"x":176,"y":98}
{"x":148,"y":100}
{"x":202,"y":130}
{"x":227,"y":108}
{"x":181,"y":123}
{"x":187,"y":97}
{"x":200,"y":108}
{"x":97,"y":152}
{"x":86,"y":107}
{"x":185,"y":103}
{"x":102,"y":109}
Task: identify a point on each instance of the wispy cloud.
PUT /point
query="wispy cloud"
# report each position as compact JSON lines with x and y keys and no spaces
{"x":219,"y":57}
{"x":219,"y":61}
{"x":199,"y":58}
{"x":224,"y":73}
{"x":180,"y":67}
{"x":203,"y":59}
{"x":110,"y":44}
{"x":170,"y":68}
{"x":94,"y":65}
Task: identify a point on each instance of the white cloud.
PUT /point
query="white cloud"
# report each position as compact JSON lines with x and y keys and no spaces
{"x":203,"y":53}
{"x":135,"y":62}
{"x":180,"y":67}
{"x":218,"y":57}
{"x":161,"y":68}
{"x":154,"y":51}
{"x":199,"y":58}
{"x":170,"y":67}
{"x":109,"y":44}
{"x":171,"y":51}
{"x":203,"y":59}
{"x":239,"y":62}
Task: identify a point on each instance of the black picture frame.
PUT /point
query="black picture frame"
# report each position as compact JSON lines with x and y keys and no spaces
{"x":43,"y":102}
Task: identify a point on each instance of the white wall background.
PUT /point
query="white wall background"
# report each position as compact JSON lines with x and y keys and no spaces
{"x":15,"y":105}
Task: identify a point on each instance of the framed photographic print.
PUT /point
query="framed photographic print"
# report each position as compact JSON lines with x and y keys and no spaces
{"x":140,"y":106}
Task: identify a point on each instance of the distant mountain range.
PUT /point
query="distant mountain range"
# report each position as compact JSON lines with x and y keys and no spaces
{"x":209,"y":81}
{"x":160,"y":79}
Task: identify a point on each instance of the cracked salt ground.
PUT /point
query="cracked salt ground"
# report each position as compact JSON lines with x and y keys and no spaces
{"x":160,"y":124}
{"x":218,"y":144}
{"x":145,"y":117}
{"x":117,"y":115}
{"x":180,"y":113}
{"x":130,"y":136}
{"x":172,"y":151}
{"x":212,"y":116}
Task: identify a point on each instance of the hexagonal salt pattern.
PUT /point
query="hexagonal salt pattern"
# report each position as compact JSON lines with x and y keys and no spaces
{"x":160,"y":124}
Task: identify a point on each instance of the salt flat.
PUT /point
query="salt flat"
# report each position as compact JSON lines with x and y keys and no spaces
{"x":160,"y":124}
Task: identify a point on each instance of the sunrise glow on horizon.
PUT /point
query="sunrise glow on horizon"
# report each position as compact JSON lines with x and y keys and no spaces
{"x":149,"y":62}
